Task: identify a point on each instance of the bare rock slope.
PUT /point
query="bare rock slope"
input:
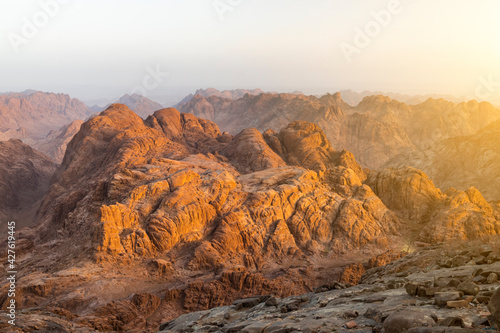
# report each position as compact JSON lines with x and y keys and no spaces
{"x":431,"y":290}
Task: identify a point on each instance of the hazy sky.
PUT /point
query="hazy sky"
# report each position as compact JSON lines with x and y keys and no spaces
{"x":95,"y":49}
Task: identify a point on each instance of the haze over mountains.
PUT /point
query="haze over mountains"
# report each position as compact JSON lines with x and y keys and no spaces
{"x":354,"y":98}
{"x":375,"y":130}
{"x":230,"y":94}
{"x":141,"y":105}
{"x":461,"y":161}
{"x":33,"y":114}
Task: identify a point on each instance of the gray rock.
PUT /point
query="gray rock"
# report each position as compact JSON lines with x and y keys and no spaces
{"x":492,"y":278}
{"x":403,"y":320}
{"x":479,"y":279}
{"x":452,"y":322}
{"x":443,"y":330}
{"x":443,"y":297}
{"x":469,"y":288}
{"x":249,"y":302}
{"x":485,"y":250}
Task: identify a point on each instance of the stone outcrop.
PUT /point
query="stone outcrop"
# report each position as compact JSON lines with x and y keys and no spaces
{"x":435,"y":216}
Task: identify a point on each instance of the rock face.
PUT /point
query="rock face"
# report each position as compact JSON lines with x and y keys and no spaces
{"x":24,"y":178}
{"x":170,"y":208}
{"x":375,"y":130}
{"x":33,"y":114}
{"x":461,"y":161}
{"x":141,"y":105}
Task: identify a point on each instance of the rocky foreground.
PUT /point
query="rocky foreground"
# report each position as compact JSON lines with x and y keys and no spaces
{"x":434,"y":290}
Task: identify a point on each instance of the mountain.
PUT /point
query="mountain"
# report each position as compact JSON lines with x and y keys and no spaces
{"x":54,"y":144}
{"x":354,"y":98}
{"x":139,"y":104}
{"x":32,"y":115}
{"x":460,"y":161}
{"x":24,"y":178}
{"x":149,"y":219}
{"x":375,"y":131}
{"x":229,"y":94}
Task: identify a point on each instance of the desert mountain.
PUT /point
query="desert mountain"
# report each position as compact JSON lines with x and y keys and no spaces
{"x":54,"y":144}
{"x":24,"y":178}
{"x":460,"y":161}
{"x":174,"y":215}
{"x":376,"y":130}
{"x":141,"y":105}
{"x":354,"y":98}
{"x":229,"y":94}
{"x":33,"y":114}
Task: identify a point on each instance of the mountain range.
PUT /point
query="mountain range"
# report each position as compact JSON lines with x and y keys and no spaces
{"x":376,"y":130}
{"x":354,"y":98}
{"x":31,"y":115}
{"x":460,"y":161}
{"x":146,"y":219}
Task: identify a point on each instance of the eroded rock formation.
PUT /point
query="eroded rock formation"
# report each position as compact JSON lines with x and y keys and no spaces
{"x":171,"y":207}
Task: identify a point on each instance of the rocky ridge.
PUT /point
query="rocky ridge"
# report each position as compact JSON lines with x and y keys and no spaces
{"x":354,"y":98}
{"x":229,"y":94}
{"x":375,"y":130}
{"x":33,"y":114}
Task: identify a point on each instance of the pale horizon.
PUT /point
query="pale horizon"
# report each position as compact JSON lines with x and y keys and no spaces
{"x":102,"y":50}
